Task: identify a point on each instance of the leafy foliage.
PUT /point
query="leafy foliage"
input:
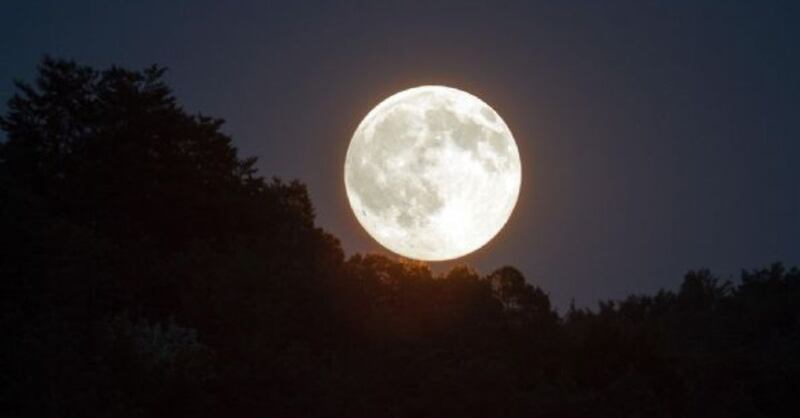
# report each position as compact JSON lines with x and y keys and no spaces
{"x":146,"y":270}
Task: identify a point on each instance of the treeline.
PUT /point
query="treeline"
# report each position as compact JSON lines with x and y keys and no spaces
{"x":147,"y":270}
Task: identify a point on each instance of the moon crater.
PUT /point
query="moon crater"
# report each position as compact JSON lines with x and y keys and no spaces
{"x":432,"y":173}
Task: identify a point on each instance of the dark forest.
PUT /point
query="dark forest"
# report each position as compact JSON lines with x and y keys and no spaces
{"x":146,"y":269}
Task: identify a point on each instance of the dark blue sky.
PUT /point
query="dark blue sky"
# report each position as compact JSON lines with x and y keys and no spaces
{"x":655,"y":136}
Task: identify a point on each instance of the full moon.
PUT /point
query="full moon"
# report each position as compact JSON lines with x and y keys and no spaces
{"x":432,"y":173}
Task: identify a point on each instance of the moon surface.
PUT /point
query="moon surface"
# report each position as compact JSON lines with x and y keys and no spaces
{"x":432,"y":173}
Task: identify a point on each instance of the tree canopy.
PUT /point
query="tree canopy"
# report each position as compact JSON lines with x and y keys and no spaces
{"x":146,"y":269}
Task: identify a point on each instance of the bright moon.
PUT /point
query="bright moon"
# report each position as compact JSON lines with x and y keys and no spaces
{"x":432,"y":173}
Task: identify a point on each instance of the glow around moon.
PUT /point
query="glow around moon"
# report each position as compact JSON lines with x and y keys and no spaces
{"x":432,"y":173}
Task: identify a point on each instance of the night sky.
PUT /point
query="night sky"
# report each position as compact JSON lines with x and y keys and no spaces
{"x":655,"y":137}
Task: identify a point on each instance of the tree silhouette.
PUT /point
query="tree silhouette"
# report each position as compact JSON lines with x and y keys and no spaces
{"x":147,"y":270}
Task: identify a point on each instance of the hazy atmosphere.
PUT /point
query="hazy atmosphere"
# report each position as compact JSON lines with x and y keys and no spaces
{"x":655,"y":136}
{"x":399,"y":209}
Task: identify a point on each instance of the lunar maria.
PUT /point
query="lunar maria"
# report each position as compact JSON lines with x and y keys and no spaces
{"x":432,"y":173}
